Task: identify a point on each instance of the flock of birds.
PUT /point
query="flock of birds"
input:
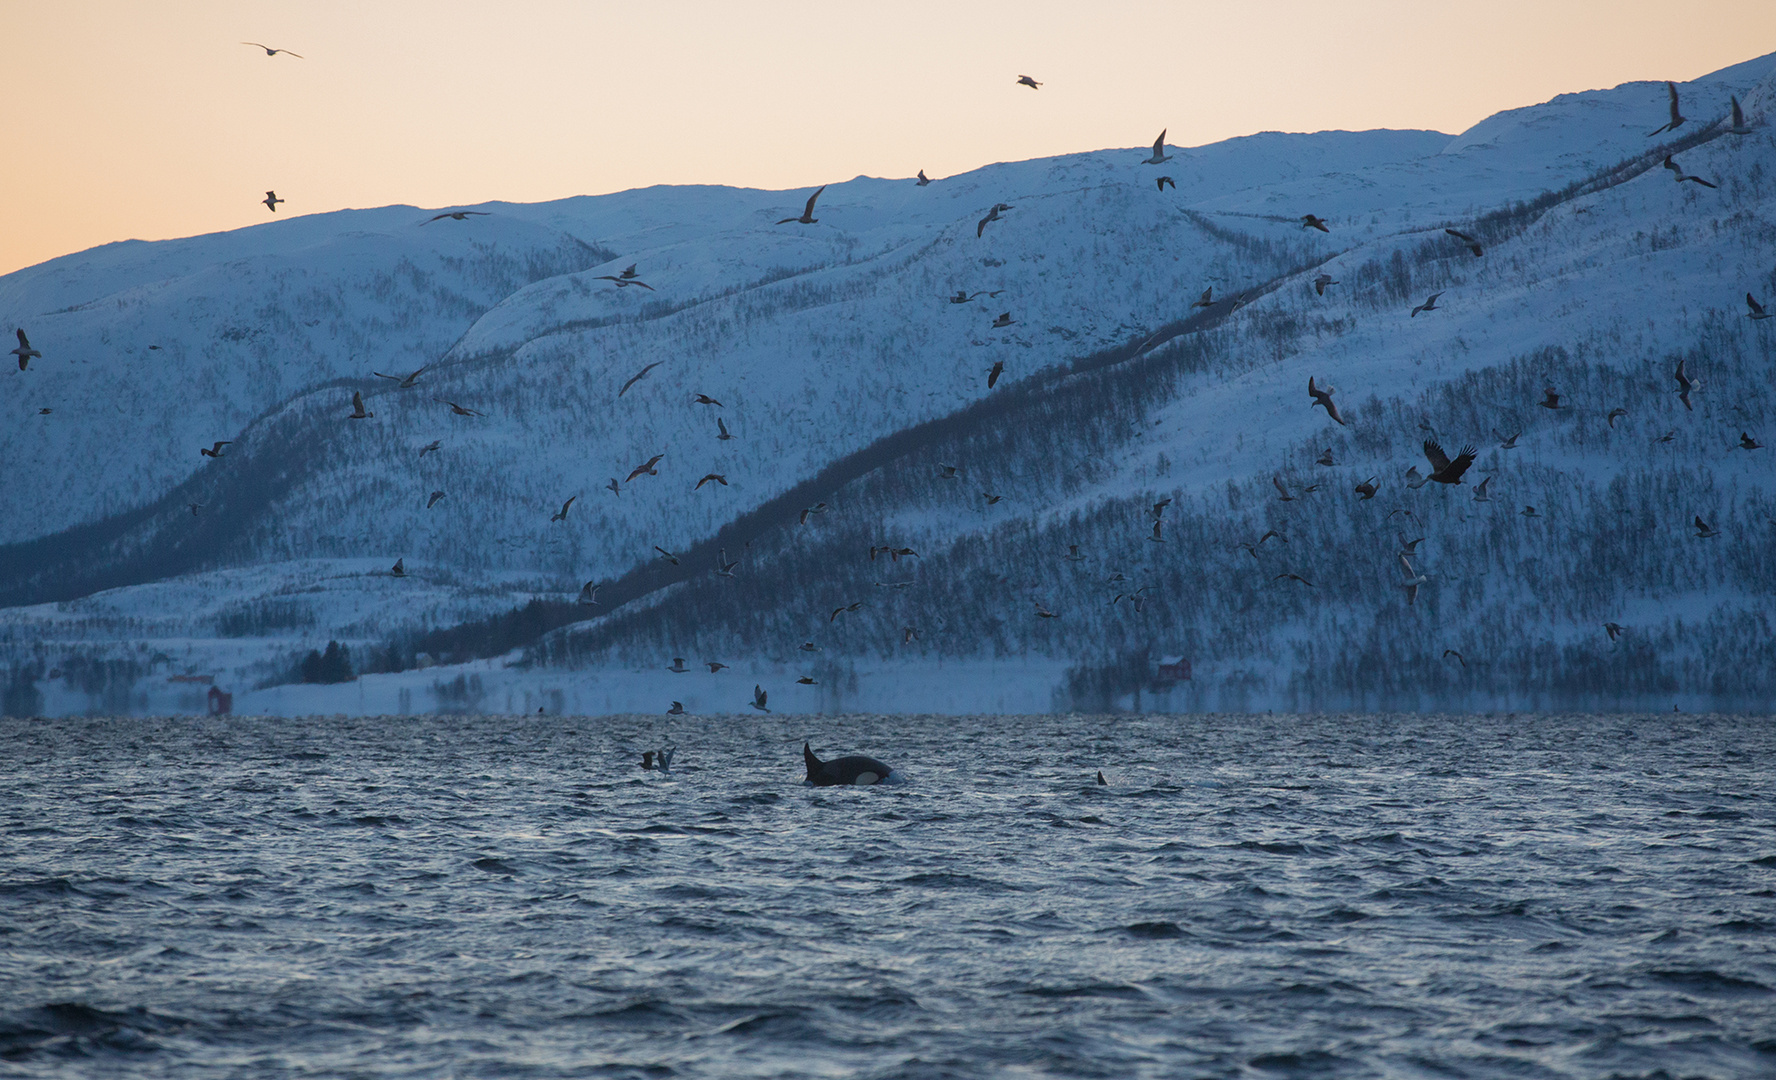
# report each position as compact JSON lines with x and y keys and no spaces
{"x":1443,"y":469}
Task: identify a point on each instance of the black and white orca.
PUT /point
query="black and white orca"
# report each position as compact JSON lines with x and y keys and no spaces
{"x":854,"y":769}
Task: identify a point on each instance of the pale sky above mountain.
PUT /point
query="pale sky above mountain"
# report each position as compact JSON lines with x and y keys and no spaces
{"x":149,"y":121}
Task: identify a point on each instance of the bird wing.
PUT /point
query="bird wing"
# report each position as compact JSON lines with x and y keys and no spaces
{"x":637,"y":376}
{"x":1439,"y":460}
{"x":1407,"y":567}
{"x":808,"y":211}
{"x":1278,"y":481}
{"x":1756,"y":309}
{"x":1460,"y":235}
{"x":1683,"y":380}
{"x":1461,"y":463}
{"x":1159,"y":143}
{"x":1738,"y":116}
{"x":25,"y":342}
{"x":1676,"y":117}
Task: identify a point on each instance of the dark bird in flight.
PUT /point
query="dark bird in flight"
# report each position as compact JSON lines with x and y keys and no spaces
{"x":432,"y":500}
{"x":842,"y":608}
{"x":946,"y":472}
{"x":399,"y":569}
{"x":562,"y":516}
{"x":1677,"y":118}
{"x":807,"y":512}
{"x":1366,"y":490}
{"x":1443,"y":470}
{"x":993,"y":375}
{"x":1473,"y":244}
{"x":1159,"y":507}
{"x":1551,"y":399}
{"x":1614,"y":630}
{"x":1282,"y":492}
{"x":1703,"y":530}
{"x":1613,"y":413}
{"x":1325,"y":458}
{"x":1025,"y":80}
{"x":1159,"y":154}
{"x":1206,"y":299}
{"x":633,"y":379}
{"x":1756,"y":309}
{"x":269,"y":51}
{"x":806,"y":680}
{"x":1428,"y":305}
{"x":714,"y":666}
{"x":923,"y":179}
{"x":614,"y":487}
{"x":588,"y":594}
{"x":1738,"y":126}
{"x":271,"y":201}
{"x":963,"y":296}
{"x":216,"y":450}
{"x":717,"y":477}
{"x":1667,"y":437}
{"x":677,"y":666}
{"x":626,"y":280}
{"x":647,"y":467}
{"x":1293,"y":577}
{"x":991,"y":498}
{"x":724,"y":568}
{"x":721,"y":430}
{"x":1677,"y":171}
{"x":358,"y":412}
{"x":705,"y":399}
{"x":807,"y":217}
{"x":194,"y":508}
{"x":1160,"y":183}
{"x":1685,"y":385}
{"x":1529,"y":512}
{"x":25,"y":353}
{"x":1042,"y":612}
{"x":1323,"y":396}
{"x":992,"y":215}
{"x":458,"y":409}
{"x":1321,"y":282}
{"x":1309,"y":221}
{"x":628,"y":273}
{"x":758,"y":698}
{"x":677,"y":709}
{"x":44,"y":412}
{"x":435,"y":444}
{"x":1157,"y":538}
{"x":667,"y":555}
{"x":403,"y":382}
{"x":1447,"y":653}
{"x":1504,"y":443}
{"x":456,"y":215}
{"x":1004,"y":320}
{"x":808,"y":646}
{"x":1746,"y":442}
{"x":1270,"y":534}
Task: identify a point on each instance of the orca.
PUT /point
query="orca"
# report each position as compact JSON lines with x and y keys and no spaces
{"x":855,"y":769}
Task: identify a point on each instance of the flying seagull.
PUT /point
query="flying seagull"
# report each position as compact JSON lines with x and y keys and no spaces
{"x":404,"y":382}
{"x":435,"y":444}
{"x":1323,"y":396}
{"x":992,"y":499}
{"x":677,"y":709}
{"x":1480,"y":494}
{"x":562,"y":516}
{"x":992,"y":215}
{"x":633,"y":379}
{"x":1159,"y":154}
{"x":24,"y":352}
{"x":807,"y":680}
{"x":1309,"y":221}
{"x":758,"y":698}
{"x":1206,"y":300}
{"x":456,"y":215}
{"x":1614,"y":630}
{"x":1325,"y":458}
{"x":1025,"y":80}
{"x":458,"y":409}
{"x":1677,"y":171}
{"x":216,"y":450}
{"x":588,"y":594}
{"x":717,"y":477}
{"x":1677,"y":118}
{"x":677,"y":666}
{"x":1443,"y":470}
{"x":1321,"y":282}
{"x":1160,"y":183}
{"x":1447,"y":653}
{"x":358,"y":412}
{"x":963,"y":296}
{"x":1746,"y":442}
{"x":1757,"y":310}
{"x":1473,"y":244}
{"x":269,"y":51}
{"x":626,"y":280}
{"x":399,"y":569}
{"x":1551,"y":399}
{"x":1529,"y":511}
{"x":1738,"y":126}
{"x":1156,"y":537}
{"x":724,"y":568}
{"x":667,"y":555}
{"x":1703,"y":530}
{"x":722,"y":431}
{"x":614,"y":487}
{"x":647,"y":467}
{"x":705,"y":399}
{"x":1366,"y":489}
{"x":1282,"y":492}
{"x":1504,"y":443}
{"x":271,"y":201}
{"x":432,"y":500}
{"x":1428,"y":305}
{"x":714,"y":666}
{"x":993,"y":375}
{"x":1613,"y":414}
{"x":923,"y":179}
{"x":1685,"y":384}
{"x":807,"y":217}
{"x":1412,"y":582}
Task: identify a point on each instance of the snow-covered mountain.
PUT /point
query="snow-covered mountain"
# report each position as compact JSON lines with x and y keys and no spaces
{"x":846,"y":376}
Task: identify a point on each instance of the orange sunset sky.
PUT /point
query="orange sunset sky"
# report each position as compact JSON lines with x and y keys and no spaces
{"x":150,"y":120}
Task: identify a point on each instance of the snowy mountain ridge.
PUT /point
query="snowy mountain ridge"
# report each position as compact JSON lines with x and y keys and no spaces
{"x":823,"y":342}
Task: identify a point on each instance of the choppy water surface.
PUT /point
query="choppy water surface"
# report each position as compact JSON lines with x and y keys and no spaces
{"x":1252,"y":896}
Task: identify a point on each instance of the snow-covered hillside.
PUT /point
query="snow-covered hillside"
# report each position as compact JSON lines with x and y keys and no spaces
{"x":845,"y":375}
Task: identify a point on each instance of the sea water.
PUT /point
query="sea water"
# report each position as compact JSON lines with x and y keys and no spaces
{"x":1329,"y":896}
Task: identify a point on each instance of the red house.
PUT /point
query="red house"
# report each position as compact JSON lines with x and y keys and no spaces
{"x":221,"y":701}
